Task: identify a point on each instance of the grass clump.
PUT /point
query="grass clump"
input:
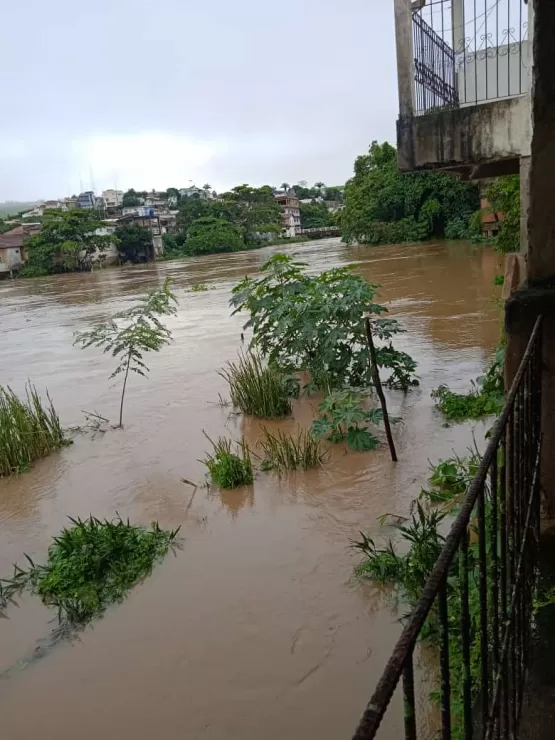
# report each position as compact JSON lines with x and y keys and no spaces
{"x":257,"y":389}
{"x":29,"y":429}
{"x":227,"y":468}
{"x":287,"y":452}
{"x":91,"y":565}
{"x":485,"y":399}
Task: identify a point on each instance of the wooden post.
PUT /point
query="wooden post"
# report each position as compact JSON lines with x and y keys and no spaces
{"x":379,"y":389}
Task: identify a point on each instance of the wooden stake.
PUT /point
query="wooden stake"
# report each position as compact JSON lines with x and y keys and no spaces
{"x":379,"y":389}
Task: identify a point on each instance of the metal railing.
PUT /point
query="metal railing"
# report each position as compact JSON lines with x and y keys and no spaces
{"x":470,"y":51}
{"x":494,"y":539}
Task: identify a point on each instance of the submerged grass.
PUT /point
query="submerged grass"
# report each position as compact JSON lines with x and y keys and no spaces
{"x":257,"y":389}
{"x":90,"y":565}
{"x":228,"y":469}
{"x":287,"y":452}
{"x":29,"y":429}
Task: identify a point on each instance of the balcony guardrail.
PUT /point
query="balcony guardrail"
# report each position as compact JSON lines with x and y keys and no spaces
{"x":494,"y":539}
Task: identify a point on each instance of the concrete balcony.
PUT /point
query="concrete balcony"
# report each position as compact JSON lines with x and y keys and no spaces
{"x":464,"y":71}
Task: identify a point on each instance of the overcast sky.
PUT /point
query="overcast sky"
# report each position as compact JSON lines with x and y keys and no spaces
{"x":155,"y":94}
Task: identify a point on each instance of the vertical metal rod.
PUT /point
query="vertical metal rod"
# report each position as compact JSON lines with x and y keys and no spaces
{"x":475,"y":57}
{"x":482,"y":557}
{"x":379,"y":389}
{"x":465,"y":638}
{"x":503,"y":573}
{"x":494,"y":567}
{"x":444,"y":663}
{"x":509,"y":48}
{"x":408,"y":699}
{"x":487,"y":12}
{"x":497,"y":47}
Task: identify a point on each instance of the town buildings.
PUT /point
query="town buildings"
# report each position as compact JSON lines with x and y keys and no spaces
{"x":112,"y":198}
{"x":291,"y":214}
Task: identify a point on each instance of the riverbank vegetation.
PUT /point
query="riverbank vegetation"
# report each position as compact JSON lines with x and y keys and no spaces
{"x":229,"y":469}
{"x":29,"y":429}
{"x":343,"y":418}
{"x":313,"y":324}
{"x":90,"y":565}
{"x":257,"y":389}
{"x":384,"y":206}
{"x":284,"y":452}
{"x":129,"y":334}
{"x":486,"y":397}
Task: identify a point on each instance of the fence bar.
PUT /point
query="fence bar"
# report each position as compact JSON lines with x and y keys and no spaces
{"x":408,"y":698}
{"x":465,"y":639}
{"x":444,"y":663}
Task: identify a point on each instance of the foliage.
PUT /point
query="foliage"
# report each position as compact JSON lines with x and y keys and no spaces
{"x":253,"y":210}
{"x":135,"y":242}
{"x":343,"y":419}
{"x":258,"y":390}
{"x":208,"y":235}
{"x":499,"y":280}
{"x":503,"y":195}
{"x":66,"y":242}
{"x":227,"y":468}
{"x":91,"y":565}
{"x":131,"y":198}
{"x":287,"y":452}
{"x":132,"y":332}
{"x":384,"y":206}
{"x":314,"y":324}
{"x":314,"y":215}
{"x":450,"y":478}
{"x":486,"y":397}
{"x":29,"y":429}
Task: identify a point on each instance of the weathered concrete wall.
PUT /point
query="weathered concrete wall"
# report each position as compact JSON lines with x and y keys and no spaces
{"x":466,"y":137}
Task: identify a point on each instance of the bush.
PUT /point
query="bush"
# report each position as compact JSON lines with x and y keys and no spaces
{"x":227,"y":469}
{"x":91,"y":565}
{"x":343,"y":419}
{"x":209,"y":235}
{"x":314,"y":324}
{"x":29,"y":430}
{"x":288,"y":452}
{"x":257,"y":390}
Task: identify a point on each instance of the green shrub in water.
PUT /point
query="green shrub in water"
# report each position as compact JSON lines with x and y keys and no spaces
{"x":287,"y":452}
{"x":228,"y":469}
{"x":91,"y":565}
{"x":258,"y":390}
{"x":29,"y":429}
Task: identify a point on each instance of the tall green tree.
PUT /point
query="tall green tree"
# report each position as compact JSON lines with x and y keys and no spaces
{"x":208,"y":235}
{"x":131,"y":198}
{"x":503,"y":196}
{"x":253,"y":210}
{"x":135,"y":242}
{"x":67,"y":242}
{"x":314,"y":215}
{"x":384,"y":206}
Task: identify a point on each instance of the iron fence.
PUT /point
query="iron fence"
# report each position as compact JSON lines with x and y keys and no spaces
{"x":494,"y":539}
{"x":474,"y":51}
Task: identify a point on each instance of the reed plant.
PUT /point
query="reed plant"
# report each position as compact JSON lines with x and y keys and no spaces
{"x":257,"y":389}
{"x":29,"y":429}
{"x":287,"y":452}
{"x":229,"y":469}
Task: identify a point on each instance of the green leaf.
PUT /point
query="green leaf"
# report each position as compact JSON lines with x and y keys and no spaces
{"x":361,"y":440}
{"x":321,"y":428}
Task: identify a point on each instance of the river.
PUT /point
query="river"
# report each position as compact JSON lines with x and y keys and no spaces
{"x":255,"y":629}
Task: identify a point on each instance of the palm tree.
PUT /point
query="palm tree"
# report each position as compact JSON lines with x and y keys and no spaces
{"x":207,"y":186}
{"x":319,"y":185}
{"x":285,"y":186}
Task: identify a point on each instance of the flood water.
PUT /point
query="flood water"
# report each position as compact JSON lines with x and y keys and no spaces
{"x":255,"y":629}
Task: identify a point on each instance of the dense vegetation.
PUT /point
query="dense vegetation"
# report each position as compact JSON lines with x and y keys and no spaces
{"x":29,"y":429}
{"x":313,"y":324}
{"x":503,"y":196}
{"x":90,"y":565}
{"x":67,"y":242}
{"x":134,"y":242}
{"x":229,"y":469}
{"x":315,"y":215}
{"x":383,"y":206}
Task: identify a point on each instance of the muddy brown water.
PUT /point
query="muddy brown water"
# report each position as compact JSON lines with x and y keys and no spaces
{"x":255,"y":629}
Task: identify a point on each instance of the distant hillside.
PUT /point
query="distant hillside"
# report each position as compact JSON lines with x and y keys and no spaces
{"x":11,"y":207}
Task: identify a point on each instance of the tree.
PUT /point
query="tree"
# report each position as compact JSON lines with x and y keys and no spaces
{"x":503,"y":196}
{"x":130,"y":199}
{"x":333,"y":193}
{"x":314,"y":215}
{"x":66,"y":242}
{"x":285,"y":186}
{"x":314,"y":324}
{"x":135,"y":242}
{"x":173,"y":193}
{"x":207,"y":187}
{"x":254,"y":210}
{"x":208,"y":235}
{"x":131,"y":333}
{"x":191,"y":209}
{"x":384,"y":206}
{"x":319,"y":186}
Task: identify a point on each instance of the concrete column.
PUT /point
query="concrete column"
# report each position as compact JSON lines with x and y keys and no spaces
{"x":537,"y":296}
{"x":457,"y":17}
{"x":524,"y":202}
{"x":405,"y":81}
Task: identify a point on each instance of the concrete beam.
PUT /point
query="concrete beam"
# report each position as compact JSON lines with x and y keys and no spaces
{"x":472,"y":136}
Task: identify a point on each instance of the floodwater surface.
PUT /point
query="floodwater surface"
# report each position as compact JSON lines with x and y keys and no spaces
{"x":256,"y":629}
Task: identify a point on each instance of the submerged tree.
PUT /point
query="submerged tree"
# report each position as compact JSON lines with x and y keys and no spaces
{"x":314,"y":324}
{"x":131,"y":333}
